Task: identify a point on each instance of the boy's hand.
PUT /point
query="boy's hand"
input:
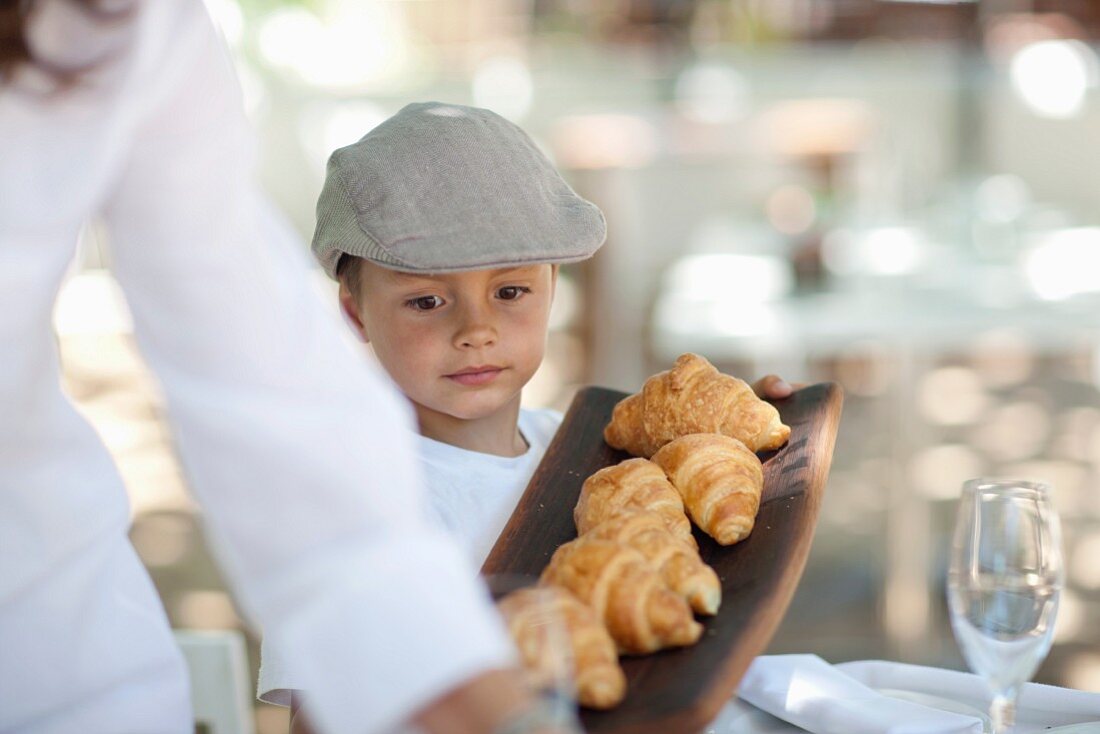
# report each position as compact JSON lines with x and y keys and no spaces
{"x":773,"y":387}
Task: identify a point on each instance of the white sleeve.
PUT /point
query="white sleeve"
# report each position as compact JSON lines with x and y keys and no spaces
{"x":299,"y":452}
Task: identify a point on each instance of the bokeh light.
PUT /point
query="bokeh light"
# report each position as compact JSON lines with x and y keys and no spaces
{"x":325,"y":126}
{"x":1003,"y":357}
{"x":791,"y":209}
{"x":730,"y":278}
{"x":1084,"y":561}
{"x":939,"y":471}
{"x":1052,"y":77}
{"x":1014,"y":431}
{"x":712,"y":93}
{"x":356,"y":46}
{"x":881,"y":251}
{"x":1065,"y":263}
{"x":503,"y":84}
{"x":604,"y":141}
{"x":1071,"y":617}
{"x":1003,"y":198}
{"x":952,"y":396}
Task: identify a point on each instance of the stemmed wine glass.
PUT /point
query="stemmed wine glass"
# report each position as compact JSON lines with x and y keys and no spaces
{"x":1003,"y":584}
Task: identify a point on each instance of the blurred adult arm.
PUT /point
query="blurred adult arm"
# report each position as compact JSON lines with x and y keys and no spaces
{"x":300,"y":454}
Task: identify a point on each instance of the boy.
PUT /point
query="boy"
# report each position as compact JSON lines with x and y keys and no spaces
{"x":445,"y":227}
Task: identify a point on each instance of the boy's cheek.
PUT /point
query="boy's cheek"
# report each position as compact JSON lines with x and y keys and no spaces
{"x":402,"y":357}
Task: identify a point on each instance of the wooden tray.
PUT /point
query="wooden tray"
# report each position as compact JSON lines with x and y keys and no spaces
{"x":683,"y":690}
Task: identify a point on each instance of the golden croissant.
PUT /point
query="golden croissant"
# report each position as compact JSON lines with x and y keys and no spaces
{"x":693,"y":397}
{"x":631,"y":486}
{"x":720,"y":480}
{"x":548,"y":618}
{"x":678,"y":563}
{"x":627,"y":594}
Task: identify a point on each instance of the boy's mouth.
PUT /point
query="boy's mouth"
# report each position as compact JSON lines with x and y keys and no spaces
{"x":475,"y":375}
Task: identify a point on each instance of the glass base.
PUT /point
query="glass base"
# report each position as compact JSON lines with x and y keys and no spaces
{"x":1003,"y":713}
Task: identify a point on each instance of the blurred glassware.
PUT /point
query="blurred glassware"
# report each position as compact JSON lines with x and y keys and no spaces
{"x":548,"y":642}
{"x":1004,"y":583}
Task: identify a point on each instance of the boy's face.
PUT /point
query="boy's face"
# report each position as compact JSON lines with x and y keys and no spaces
{"x":461,"y":344}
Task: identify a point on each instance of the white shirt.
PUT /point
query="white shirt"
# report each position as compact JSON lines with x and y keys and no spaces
{"x":473,"y":494}
{"x":301,"y":455}
{"x":470,"y":493}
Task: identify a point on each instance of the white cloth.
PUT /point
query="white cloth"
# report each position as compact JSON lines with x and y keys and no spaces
{"x":470,"y":493}
{"x":806,"y":691}
{"x":301,"y":455}
{"x":473,"y":494}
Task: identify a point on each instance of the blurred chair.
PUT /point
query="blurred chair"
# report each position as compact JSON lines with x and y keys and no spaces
{"x":221,"y":687}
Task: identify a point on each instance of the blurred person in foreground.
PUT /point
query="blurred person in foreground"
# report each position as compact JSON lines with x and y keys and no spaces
{"x":300,"y":454}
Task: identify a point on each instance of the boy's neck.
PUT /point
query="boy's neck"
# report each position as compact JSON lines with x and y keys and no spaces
{"x":496,"y":434}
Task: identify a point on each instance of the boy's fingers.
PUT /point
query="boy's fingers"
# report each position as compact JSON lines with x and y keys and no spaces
{"x":772,"y":386}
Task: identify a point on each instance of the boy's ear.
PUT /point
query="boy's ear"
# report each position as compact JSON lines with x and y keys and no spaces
{"x":553,"y":278}
{"x":349,"y":305}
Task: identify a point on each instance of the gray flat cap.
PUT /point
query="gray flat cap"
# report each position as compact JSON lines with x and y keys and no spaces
{"x":442,"y":188}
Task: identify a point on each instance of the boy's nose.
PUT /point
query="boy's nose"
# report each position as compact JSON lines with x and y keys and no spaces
{"x":476,"y":333}
{"x":476,"y":337}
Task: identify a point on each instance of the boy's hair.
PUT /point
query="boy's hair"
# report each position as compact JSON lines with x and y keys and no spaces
{"x":443,"y":188}
{"x":348,"y":273}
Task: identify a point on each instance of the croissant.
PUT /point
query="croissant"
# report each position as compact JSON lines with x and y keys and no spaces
{"x":678,"y":563}
{"x":633,"y":485}
{"x":537,"y":616}
{"x":693,"y":397}
{"x":720,"y":480}
{"x":641,"y":613}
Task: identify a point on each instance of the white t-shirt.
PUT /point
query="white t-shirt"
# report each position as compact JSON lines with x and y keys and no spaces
{"x":471,"y":494}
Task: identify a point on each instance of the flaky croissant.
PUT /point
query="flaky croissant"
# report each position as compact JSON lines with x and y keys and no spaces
{"x":693,"y":397}
{"x":720,"y":481}
{"x":539,"y":617}
{"x":627,"y":594}
{"x":678,"y":563}
{"x":631,"y":486}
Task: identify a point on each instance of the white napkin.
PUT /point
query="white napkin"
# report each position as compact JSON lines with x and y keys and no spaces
{"x":808,"y":692}
{"x":1039,"y":706}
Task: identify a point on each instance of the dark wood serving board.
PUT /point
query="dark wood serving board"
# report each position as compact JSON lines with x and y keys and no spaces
{"x":682,"y":690}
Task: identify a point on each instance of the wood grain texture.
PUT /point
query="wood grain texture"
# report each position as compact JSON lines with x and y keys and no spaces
{"x":682,"y":690}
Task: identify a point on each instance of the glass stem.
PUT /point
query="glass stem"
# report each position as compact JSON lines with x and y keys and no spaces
{"x":1003,"y":711}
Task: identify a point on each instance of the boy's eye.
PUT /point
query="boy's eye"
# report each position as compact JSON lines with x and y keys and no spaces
{"x":511,"y":292}
{"x":424,"y":303}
